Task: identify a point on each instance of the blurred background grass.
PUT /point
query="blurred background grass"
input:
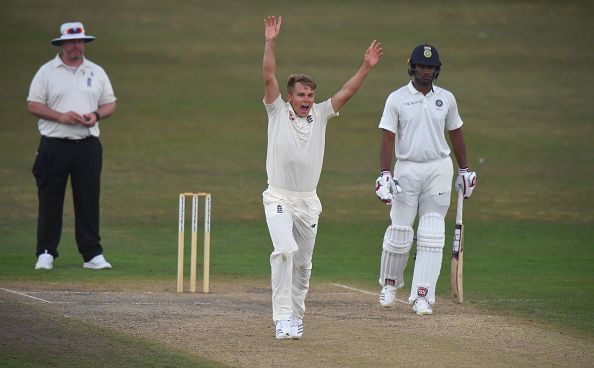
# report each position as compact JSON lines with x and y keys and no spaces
{"x":187,"y":75}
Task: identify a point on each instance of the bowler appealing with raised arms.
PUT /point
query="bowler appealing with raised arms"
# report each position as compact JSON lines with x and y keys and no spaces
{"x":295,"y":152}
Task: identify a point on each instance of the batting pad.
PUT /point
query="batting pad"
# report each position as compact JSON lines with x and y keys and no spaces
{"x":430,"y":242}
{"x":396,"y":247}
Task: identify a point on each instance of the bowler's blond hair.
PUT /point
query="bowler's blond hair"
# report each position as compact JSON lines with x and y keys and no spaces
{"x":304,"y":79}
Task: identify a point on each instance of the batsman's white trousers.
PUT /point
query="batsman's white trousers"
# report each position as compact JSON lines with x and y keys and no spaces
{"x":427,"y":190}
{"x":292,"y":219}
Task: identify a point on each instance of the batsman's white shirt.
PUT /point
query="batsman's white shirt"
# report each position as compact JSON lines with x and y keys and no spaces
{"x":419,"y":121}
{"x":295,"y":152}
{"x":56,"y":86}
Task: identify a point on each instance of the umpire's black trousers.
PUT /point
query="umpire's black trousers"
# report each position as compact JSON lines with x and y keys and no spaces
{"x":58,"y":158}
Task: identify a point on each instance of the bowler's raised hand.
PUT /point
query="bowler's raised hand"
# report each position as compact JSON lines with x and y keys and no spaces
{"x":374,"y":53}
{"x":272,"y":27}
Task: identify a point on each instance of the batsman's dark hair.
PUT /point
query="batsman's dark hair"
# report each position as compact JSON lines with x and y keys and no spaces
{"x":300,"y":78}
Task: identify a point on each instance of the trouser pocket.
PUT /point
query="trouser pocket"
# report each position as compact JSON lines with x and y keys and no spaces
{"x":40,"y":168}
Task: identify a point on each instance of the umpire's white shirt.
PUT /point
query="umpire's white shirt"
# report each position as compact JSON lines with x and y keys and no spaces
{"x":56,"y":86}
{"x":419,"y":120}
{"x":295,"y":151}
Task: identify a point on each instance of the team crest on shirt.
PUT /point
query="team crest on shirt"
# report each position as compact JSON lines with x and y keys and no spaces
{"x":309,"y":119}
{"x":439,"y":103}
{"x":291,"y":117}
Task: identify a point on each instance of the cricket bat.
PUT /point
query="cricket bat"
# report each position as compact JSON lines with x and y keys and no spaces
{"x":458,"y":254}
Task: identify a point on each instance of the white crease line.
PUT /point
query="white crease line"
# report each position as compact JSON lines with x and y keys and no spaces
{"x":96,"y":292}
{"x":364,"y":291}
{"x":65,"y":292}
{"x":23,"y":294}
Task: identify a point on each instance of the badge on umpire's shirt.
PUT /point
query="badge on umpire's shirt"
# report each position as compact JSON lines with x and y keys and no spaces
{"x":439,"y":103}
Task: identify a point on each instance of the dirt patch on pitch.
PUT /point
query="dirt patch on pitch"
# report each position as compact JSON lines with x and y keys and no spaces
{"x":343,"y":328}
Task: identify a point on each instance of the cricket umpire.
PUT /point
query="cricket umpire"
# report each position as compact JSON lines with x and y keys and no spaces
{"x":70,"y":95}
{"x":413,"y":124}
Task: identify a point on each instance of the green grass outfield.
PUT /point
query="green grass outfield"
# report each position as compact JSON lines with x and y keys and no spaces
{"x":188,"y":80}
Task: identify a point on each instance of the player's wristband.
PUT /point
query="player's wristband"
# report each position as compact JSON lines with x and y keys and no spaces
{"x":97,"y":116}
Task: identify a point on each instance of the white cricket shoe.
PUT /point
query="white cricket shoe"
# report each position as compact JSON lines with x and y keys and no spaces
{"x":387,"y":296}
{"x":283,"y":329}
{"x":45,"y":261}
{"x":97,"y":263}
{"x":296,"y":328}
{"x":421,"y":306}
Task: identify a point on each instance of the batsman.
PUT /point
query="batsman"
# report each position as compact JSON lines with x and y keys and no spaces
{"x":413,"y":126}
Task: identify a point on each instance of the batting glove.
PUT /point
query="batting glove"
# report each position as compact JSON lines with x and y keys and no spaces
{"x":384,"y":184}
{"x":466,"y":182}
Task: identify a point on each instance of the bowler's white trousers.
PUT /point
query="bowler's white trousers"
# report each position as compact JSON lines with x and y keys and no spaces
{"x":292,"y":219}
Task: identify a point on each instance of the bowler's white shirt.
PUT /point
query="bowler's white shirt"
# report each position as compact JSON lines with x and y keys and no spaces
{"x":295,"y":151}
{"x":56,"y":86}
{"x":419,"y":121}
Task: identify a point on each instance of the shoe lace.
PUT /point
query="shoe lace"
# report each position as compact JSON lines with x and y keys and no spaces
{"x":283,"y":324}
{"x":296,"y":321}
{"x":387,"y":290}
{"x":422,"y":303}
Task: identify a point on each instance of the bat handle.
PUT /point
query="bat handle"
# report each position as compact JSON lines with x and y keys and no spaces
{"x":459,"y":207}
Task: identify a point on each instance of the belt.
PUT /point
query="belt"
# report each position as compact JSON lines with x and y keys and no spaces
{"x":67,"y":140}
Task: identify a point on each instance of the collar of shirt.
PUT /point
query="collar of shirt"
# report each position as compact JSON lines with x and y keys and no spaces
{"x":59,"y":62}
{"x":413,"y":90}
